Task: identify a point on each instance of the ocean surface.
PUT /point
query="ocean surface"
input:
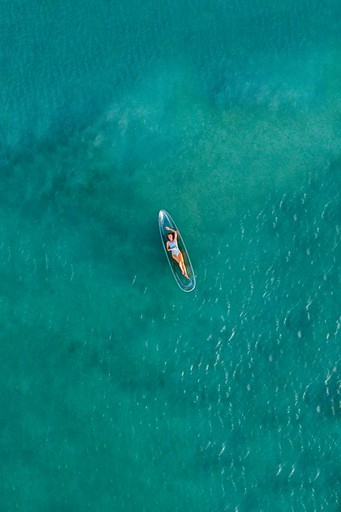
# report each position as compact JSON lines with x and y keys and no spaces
{"x":119,"y":392}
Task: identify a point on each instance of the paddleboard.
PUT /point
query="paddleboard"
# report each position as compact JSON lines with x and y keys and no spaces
{"x":186,"y":285}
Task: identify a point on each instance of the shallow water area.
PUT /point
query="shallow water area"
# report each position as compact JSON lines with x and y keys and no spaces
{"x":118,"y":390}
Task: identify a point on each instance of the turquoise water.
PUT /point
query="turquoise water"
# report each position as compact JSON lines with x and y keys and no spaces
{"x":120,"y":392}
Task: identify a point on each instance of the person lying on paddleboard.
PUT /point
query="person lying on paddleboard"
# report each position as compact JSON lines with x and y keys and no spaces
{"x":172,"y":245}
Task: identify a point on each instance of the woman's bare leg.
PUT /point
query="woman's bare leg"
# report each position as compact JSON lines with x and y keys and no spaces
{"x":180,"y":260}
{"x":183,"y":268}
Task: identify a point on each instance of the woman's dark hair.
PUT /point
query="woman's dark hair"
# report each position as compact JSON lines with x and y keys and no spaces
{"x":172,"y":235}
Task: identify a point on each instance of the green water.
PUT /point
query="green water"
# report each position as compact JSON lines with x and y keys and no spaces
{"x":120,"y":392}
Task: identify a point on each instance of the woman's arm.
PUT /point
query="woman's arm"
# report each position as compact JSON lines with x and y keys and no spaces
{"x":173,"y":231}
